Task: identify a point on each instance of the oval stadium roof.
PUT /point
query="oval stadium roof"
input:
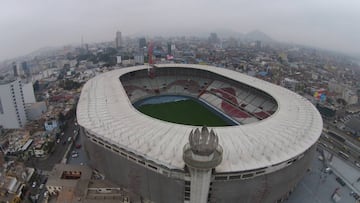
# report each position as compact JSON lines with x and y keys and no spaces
{"x":105,"y":110}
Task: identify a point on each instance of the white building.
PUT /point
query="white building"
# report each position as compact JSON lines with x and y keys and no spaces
{"x":350,"y":97}
{"x":29,"y":95}
{"x":139,"y":59}
{"x":12,"y":105}
{"x":51,"y":125}
{"x":118,"y":59}
{"x":335,"y":86}
{"x":128,"y":62}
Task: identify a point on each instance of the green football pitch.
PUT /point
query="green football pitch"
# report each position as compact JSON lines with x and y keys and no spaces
{"x":186,"y":112}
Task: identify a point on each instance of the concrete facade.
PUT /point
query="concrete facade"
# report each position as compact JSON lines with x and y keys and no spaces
{"x":12,"y":105}
{"x":263,"y":158}
{"x":29,"y":95}
{"x":162,"y":185}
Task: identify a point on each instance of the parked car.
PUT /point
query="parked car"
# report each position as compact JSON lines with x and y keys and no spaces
{"x":33,"y":184}
{"x":340,"y":181}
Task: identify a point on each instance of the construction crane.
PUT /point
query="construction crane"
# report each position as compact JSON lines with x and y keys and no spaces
{"x":151,"y":70}
{"x":150,"y":54}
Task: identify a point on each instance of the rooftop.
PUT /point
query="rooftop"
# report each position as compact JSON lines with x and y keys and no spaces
{"x":105,"y":111}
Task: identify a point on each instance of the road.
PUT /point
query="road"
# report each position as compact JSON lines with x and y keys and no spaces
{"x":36,"y":190}
{"x":58,"y":153}
{"x":318,"y":186}
{"x":44,"y":166}
{"x":335,"y":146}
{"x":350,"y":139}
{"x":82,"y":157}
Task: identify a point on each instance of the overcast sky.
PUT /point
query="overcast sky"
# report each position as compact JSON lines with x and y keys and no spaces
{"x":29,"y":25}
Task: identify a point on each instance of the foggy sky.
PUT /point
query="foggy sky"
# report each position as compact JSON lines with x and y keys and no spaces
{"x":29,"y":25}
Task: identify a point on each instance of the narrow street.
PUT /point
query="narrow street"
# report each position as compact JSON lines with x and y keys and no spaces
{"x":58,"y":153}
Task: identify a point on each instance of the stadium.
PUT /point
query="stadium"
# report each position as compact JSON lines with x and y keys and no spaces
{"x":267,"y":133}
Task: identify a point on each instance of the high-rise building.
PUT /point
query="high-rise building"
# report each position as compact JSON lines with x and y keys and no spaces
{"x":25,"y":68}
{"x":12,"y":105}
{"x":258,"y":44}
{"x":118,"y":40}
{"x":213,"y":38}
{"x":169,"y":48}
{"x":28,"y":92}
{"x":16,"y":74}
{"x":142,"y":42}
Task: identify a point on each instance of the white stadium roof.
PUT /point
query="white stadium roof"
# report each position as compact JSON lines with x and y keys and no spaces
{"x":105,"y":110}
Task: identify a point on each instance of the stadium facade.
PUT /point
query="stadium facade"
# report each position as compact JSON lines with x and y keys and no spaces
{"x":264,"y":155}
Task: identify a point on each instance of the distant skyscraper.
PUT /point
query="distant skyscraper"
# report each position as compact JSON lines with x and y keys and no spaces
{"x":86,"y":47}
{"x":169,"y":48}
{"x":16,"y":74}
{"x":173,"y":47}
{"x":26,"y":69}
{"x":142,"y":42}
{"x":213,"y":39}
{"x":118,"y":40}
{"x":12,"y":105}
{"x":258,"y":44}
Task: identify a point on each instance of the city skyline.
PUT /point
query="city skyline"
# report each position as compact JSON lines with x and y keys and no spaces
{"x":29,"y":26}
{"x":282,"y":118}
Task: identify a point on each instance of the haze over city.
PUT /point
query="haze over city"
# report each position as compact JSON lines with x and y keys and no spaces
{"x":179,"y":101}
{"x":27,"y":26}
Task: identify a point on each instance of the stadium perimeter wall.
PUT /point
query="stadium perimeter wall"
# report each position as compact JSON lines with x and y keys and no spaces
{"x":159,"y":188}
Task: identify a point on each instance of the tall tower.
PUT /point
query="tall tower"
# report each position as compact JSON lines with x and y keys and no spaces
{"x":16,"y":74}
{"x":142,"y":42}
{"x":150,"y":53}
{"x":118,"y":40}
{"x":25,"y":68}
{"x":169,"y":48}
{"x":201,"y":155}
{"x":12,"y":104}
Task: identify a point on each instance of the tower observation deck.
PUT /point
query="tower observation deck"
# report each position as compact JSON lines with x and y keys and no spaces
{"x":201,"y":155}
